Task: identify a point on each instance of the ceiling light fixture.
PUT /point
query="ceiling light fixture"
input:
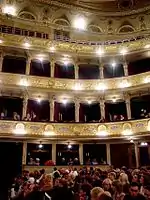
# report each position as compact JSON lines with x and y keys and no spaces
{"x":9,"y":10}
{"x":66,"y":62}
{"x":144,"y":143}
{"x":38,"y":100}
{"x":113,"y":64}
{"x":1,"y":41}
{"x":64,"y":101}
{"x":40,"y":146}
{"x":89,"y":102}
{"x":79,"y":23}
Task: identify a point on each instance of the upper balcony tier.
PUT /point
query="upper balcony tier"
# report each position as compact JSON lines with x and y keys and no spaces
{"x":114,"y":35}
{"x":76,"y":131}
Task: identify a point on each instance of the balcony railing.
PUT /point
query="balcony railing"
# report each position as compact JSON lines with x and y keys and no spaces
{"x":126,"y":83}
{"x":19,"y":129}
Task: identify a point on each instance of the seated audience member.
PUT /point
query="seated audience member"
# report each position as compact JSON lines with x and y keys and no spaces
{"x":16,"y":116}
{"x":2,"y":115}
{"x":28,"y":117}
{"x":134,"y":193}
{"x":122,"y":118}
{"x":31,"y":162}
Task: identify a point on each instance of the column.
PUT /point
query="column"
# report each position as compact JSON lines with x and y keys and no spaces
{"x":1,"y":62}
{"x":51,"y":105}
{"x":101,"y":69}
{"x":24,"y":109}
{"x":102,"y":108}
{"x":24,"y":153}
{"x":108,"y":153}
{"x":28,"y":63}
{"x":52,"y":68}
{"x":128,"y":107}
{"x":125,"y":67}
{"x":81,"y":154}
{"x":77,"y":107}
{"x":54,"y":152}
{"x":136,"y":154}
{"x":76,"y":70}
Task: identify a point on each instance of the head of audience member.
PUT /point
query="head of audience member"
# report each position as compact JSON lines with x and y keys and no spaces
{"x":147,"y":191}
{"x":112,"y":176}
{"x":107,"y":184}
{"x":96,"y":192}
{"x":105,"y":196}
{"x":117,"y":186}
{"x":123,"y":178}
{"x":135,"y":178}
{"x":134,"y":189}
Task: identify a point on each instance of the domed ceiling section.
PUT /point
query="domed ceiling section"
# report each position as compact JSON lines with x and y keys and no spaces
{"x":101,"y":5}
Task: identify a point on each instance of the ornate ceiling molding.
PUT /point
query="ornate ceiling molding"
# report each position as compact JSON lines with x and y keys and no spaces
{"x":94,"y":9}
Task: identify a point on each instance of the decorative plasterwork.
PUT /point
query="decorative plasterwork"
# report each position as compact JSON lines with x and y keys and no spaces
{"x":105,"y":8}
{"x":74,"y":47}
{"x":129,"y":83}
{"x":13,"y":129}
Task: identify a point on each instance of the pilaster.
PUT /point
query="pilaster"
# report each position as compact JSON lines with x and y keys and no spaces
{"x":28,"y":63}
{"x":81,"y":154}
{"x":51,"y":105}
{"x":108,"y":153}
{"x":24,"y":153}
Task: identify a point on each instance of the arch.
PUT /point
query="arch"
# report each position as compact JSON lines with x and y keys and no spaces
{"x":62,"y":21}
{"x":126,"y":29}
{"x":94,"y":28}
{"x":27,"y":15}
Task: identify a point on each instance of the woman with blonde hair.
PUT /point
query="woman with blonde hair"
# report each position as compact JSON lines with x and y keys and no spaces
{"x":96,"y":192}
{"x":107,"y":185}
{"x":123,"y":178}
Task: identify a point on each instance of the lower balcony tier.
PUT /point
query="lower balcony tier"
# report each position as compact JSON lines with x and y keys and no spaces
{"x":74,"y":131}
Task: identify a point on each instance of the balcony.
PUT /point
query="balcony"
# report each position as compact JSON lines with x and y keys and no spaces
{"x":33,"y":82}
{"x":76,"y":131}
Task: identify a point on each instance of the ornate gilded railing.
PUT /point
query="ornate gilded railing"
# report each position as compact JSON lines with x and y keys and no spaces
{"x":130,"y":82}
{"x":72,"y":47}
{"x":13,"y":129}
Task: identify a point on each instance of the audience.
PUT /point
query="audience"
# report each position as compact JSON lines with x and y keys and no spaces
{"x":83,"y":184}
